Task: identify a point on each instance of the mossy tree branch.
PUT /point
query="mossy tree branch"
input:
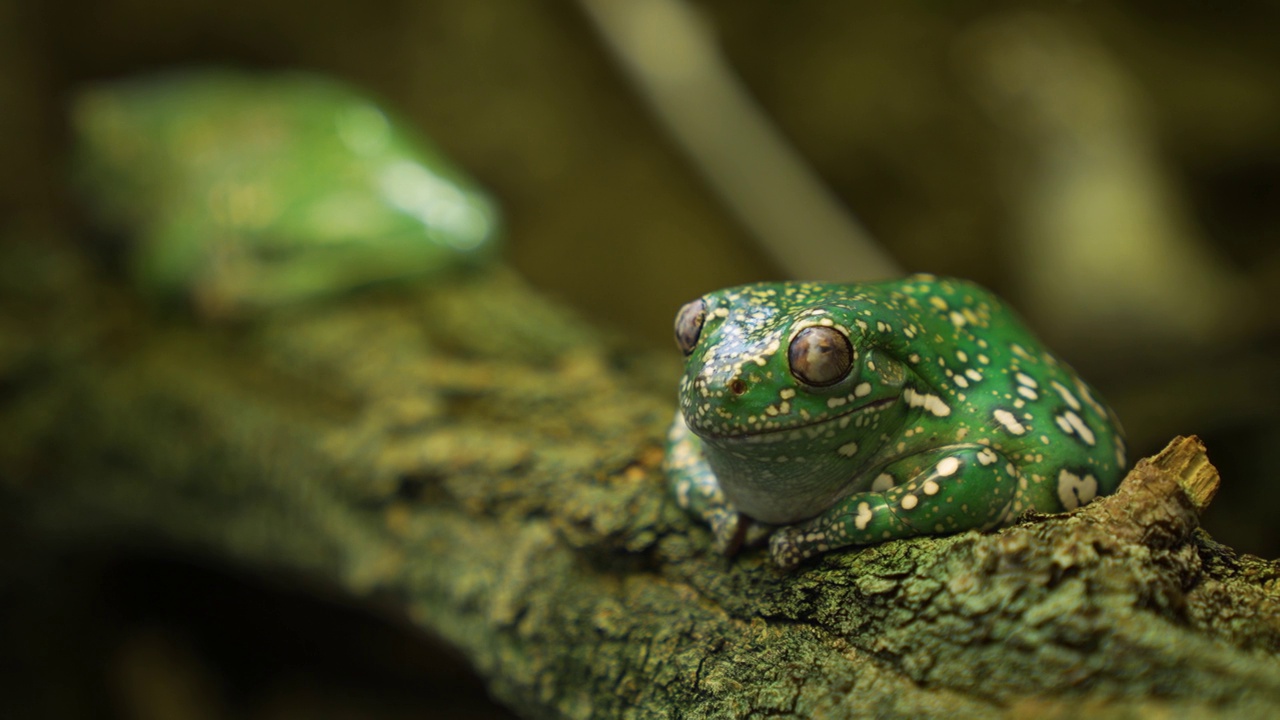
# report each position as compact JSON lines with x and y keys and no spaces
{"x":482,"y":454}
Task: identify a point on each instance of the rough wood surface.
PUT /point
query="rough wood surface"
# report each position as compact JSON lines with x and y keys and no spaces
{"x":485,"y":456}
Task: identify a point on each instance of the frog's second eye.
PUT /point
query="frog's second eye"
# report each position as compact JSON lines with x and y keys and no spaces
{"x":820,"y":356}
{"x":689,"y":325}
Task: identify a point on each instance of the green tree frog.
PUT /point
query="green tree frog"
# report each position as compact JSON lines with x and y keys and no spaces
{"x":825,"y":415}
{"x":249,"y":191}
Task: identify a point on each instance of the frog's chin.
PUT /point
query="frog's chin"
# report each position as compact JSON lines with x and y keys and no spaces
{"x":771,"y":488}
{"x":780,"y":432}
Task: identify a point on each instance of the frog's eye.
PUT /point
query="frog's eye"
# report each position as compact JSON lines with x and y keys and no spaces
{"x":689,"y":325}
{"x":820,"y":356}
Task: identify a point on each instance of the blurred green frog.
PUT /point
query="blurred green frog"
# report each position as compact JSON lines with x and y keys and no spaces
{"x":249,"y":191}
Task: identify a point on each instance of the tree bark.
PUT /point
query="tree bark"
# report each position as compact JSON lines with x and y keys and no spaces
{"x":490,"y":459}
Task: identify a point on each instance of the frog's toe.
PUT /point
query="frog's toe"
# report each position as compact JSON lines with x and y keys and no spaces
{"x":785,"y":548}
{"x":729,"y":528}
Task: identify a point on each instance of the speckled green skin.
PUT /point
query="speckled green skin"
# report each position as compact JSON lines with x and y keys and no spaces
{"x":954,"y":416}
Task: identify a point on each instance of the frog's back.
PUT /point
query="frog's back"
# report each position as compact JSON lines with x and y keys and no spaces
{"x":1009,"y":391}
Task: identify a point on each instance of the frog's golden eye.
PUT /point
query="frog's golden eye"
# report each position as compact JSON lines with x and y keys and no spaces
{"x":689,"y":325}
{"x":820,"y":355}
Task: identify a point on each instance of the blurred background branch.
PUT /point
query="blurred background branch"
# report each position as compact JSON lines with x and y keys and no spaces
{"x":669,"y":53}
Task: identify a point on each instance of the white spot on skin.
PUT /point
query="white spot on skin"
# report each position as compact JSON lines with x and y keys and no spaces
{"x":930,"y":487}
{"x":962,"y":356}
{"x":1088,"y":397}
{"x":864,"y":516}
{"x":862,"y":390}
{"x":1027,"y":392}
{"x":960,"y":381}
{"x":836,"y":402}
{"x":932,"y":403}
{"x":957,"y":319}
{"x":974,"y":375}
{"x":1010,"y":423}
{"x":883,"y":482}
{"x":938,"y":302}
{"x":1074,"y":491}
{"x":1067,"y":397}
{"x":1081,"y":429}
{"x":909,"y":501}
{"x":947,"y":466}
{"x":987,"y":456}
{"x":848,"y":449}
{"x":787,"y":393}
{"x":1025,"y":379}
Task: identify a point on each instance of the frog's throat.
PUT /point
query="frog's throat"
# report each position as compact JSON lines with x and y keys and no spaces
{"x":755,"y":435}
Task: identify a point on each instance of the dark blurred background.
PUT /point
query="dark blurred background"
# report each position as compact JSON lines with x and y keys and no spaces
{"x":1111,"y":169}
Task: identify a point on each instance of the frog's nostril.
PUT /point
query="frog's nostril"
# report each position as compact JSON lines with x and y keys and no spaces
{"x":737,"y":387}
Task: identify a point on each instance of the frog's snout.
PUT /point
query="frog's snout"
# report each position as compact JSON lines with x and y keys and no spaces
{"x":732,"y":386}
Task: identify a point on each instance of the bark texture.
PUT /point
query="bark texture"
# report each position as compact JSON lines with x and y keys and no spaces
{"x":489,"y":459}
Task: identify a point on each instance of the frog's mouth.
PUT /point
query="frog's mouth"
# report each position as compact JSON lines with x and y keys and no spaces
{"x":778,"y":429}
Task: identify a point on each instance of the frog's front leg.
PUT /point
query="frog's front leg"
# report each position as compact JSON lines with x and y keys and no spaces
{"x":945,"y":490}
{"x":697,"y":491}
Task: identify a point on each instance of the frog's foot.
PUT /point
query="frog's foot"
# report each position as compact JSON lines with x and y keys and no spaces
{"x":946,"y":490}
{"x":697,"y":491}
{"x":729,"y":529}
